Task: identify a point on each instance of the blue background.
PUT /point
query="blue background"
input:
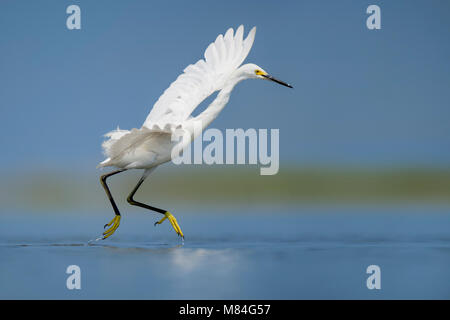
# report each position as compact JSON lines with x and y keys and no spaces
{"x":361,"y":97}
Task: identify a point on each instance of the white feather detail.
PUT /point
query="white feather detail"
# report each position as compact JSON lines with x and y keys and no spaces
{"x":151,"y":145}
{"x":200,"y":80}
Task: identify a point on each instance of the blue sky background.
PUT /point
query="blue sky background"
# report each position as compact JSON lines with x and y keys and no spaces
{"x":361,"y":97}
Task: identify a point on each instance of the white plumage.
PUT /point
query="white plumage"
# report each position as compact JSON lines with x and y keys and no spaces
{"x":220,"y":70}
{"x":201,"y":79}
{"x":170,"y":117}
{"x":151,"y":145}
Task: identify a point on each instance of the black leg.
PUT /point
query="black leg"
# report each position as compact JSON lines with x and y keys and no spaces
{"x":108,"y":193}
{"x":115,"y":222}
{"x":140,"y":204}
{"x":167,"y":214}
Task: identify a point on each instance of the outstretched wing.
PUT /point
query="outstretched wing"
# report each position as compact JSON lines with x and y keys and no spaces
{"x":201,"y":79}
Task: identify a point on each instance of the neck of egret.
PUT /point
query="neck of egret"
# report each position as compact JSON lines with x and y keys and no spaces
{"x":247,"y":71}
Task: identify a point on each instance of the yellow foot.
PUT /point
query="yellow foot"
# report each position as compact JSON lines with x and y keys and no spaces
{"x":115,"y":222}
{"x":173,"y":221}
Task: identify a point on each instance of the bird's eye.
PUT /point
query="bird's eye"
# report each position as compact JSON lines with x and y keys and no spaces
{"x":258,"y":72}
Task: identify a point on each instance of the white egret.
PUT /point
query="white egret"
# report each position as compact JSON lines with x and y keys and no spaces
{"x":151,"y":145}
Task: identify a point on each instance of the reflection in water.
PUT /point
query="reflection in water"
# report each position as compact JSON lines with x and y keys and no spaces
{"x":193,"y":260}
{"x":289,"y":257}
{"x":200,"y":272}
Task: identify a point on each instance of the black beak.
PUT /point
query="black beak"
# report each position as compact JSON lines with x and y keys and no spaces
{"x":269,"y":77}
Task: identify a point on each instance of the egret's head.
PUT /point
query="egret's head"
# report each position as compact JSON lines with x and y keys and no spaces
{"x":252,"y":71}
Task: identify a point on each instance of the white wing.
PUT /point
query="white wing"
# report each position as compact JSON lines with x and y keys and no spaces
{"x":201,"y":79}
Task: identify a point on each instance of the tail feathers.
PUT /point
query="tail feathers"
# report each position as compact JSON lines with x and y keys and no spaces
{"x":113,"y":136}
{"x":121,"y":144}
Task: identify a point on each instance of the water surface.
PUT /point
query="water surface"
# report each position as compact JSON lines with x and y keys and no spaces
{"x":291,"y":254}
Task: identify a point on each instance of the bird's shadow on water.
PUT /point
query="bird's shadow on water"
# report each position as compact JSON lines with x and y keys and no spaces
{"x":133,"y":244}
{"x":153,"y":246}
{"x":24,"y":245}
